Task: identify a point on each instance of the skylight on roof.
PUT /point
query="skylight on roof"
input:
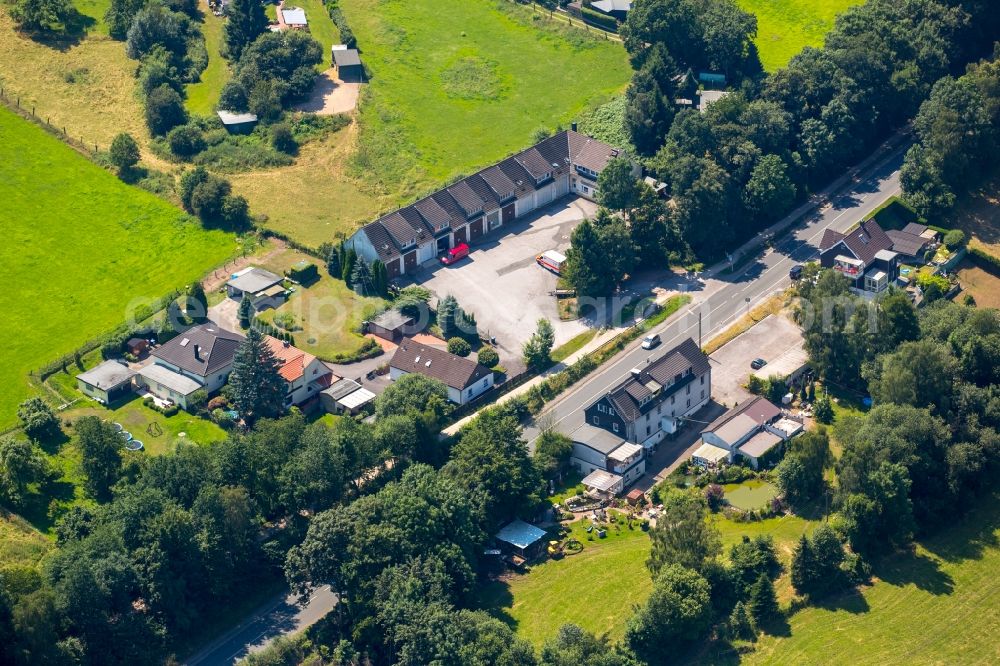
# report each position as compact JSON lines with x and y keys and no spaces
{"x":184,"y":342}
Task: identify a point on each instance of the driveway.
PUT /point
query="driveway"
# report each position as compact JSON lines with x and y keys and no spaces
{"x":226,"y":314}
{"x":772,"y":338}
{"x":331,"y":95}
{"x":501,"y":283}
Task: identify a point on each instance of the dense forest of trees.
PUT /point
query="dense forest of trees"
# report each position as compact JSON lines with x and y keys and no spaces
{"x":958,"y":132}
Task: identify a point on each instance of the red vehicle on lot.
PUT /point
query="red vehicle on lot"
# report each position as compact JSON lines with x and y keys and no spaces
{"x":460,"y":251}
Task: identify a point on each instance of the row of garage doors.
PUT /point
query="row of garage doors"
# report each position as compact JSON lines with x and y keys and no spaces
{"x":478,"y":227}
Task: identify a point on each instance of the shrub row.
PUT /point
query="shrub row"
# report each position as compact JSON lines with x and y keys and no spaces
{"x":337,"y":15}
{"x":984,"y":260}
{"x":600,"y":20}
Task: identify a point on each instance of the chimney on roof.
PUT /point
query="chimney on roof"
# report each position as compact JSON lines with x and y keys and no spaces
{"x":286,"y":344}
{"x":197,"y":352}
{"x":572,"y":125}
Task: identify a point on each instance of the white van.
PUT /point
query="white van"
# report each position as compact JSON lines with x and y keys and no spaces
{"x":551,"y":260}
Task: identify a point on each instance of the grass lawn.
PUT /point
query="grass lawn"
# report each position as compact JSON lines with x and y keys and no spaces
{"x":20,"y":544}
{"x":595,"y":588}
{"x":79,"y":248}
{"x":321,"y":27}
{"x":327,"y":310}
{"x":939,"y":605}
{"x":598,"y":587}
{"x":144,"y":424}
{"x":314,"y":199}
{"x":87,"y":87}
{"x":785,"y":27}
{"x":984,"y":286}
{"x":457,"y":85}
{"x":753,"y":494}
{"x":204,"y":95}
{"x":573,"y":345}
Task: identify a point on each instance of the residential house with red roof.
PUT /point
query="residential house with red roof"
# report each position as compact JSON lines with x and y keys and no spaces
{"x":304,"y":374}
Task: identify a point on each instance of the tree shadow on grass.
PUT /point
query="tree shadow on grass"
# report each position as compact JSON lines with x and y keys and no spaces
{"x":74,"y":32}
{"x":776,"y":626}
{"x":495,"y":598}
{"x":851,"y":601}
{"x":969,"y":539}
{"x":913,"y":568}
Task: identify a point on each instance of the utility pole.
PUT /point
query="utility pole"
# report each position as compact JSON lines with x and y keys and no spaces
{"x":699,"y":327}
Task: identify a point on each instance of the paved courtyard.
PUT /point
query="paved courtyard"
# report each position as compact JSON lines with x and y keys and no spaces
{"x":501,"y":283}
{"x":775,"y":338}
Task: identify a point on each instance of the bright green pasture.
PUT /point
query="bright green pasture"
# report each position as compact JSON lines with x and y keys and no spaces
{"x":785,"y":27}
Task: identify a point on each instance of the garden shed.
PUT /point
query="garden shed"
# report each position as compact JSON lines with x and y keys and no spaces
{"x":236,"y":122}
{"x":521,"y":539}
{"x":347,"y":64}
{"x":391,"y":325}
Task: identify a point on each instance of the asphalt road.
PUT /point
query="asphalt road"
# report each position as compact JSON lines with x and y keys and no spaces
{"x":720,"y":298}
{"x":280,"y":616}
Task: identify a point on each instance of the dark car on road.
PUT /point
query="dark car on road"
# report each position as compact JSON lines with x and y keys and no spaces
{"x":796,"y":272}
{"x":758,"y":363}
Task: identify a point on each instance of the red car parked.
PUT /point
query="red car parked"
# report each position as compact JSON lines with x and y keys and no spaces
{"x":460,"y":251}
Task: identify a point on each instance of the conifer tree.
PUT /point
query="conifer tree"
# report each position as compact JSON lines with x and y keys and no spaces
{"x":258,"y":389}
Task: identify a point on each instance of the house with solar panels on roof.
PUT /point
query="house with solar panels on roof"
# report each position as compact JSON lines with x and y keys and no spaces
{"x":656,"y":397}
{"x":567,"y":163}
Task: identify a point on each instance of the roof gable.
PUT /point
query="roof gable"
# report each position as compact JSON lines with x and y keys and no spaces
{"x":466,"y":198}
{"x":433,"y":213}
{"x":452,"y":370}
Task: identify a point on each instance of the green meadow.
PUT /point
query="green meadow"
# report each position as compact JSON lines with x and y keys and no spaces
{"x":79,"y":247}
{"x":785,"y":27}
{"x":457,"y":84}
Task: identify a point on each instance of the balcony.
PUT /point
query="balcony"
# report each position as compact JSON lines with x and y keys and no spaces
{"x":848,"y":266}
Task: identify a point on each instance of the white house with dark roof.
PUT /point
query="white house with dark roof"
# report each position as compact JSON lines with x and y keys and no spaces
{"x":656,"y":397}
{"x":466,"y":379}
{"x":755,"y":430}
{"x":465,"y":211}
{"x":199,"y":358}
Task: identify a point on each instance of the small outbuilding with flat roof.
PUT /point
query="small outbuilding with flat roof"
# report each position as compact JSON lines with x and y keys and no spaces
{"x":107,"y":382}
{"x":264,"y":288}
{"x":521,"y":539}
{"x":236,"y":122}
{"x":392,"y":325}
{"x":347,"y":64}
{"x":601,"y":482}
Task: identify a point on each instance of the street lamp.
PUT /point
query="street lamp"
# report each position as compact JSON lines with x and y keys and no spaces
{"x":747,"y":299}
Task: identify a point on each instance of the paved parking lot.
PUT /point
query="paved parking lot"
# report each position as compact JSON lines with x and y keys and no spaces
{"x":501,"y":283}
{"x":774,"y":339}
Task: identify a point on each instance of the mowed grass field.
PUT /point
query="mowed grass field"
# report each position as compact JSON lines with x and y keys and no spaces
{"x":457,"y":84}
{"x":785,"y":27}
{"x":940,"y":605}
{"x":598,"y":587}
{"x":79,"y":246}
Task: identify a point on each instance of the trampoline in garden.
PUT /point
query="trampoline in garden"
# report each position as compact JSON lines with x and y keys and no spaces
{"x":134,"y":445}
{"x":118,"y":427}
{"x":126,"y":435}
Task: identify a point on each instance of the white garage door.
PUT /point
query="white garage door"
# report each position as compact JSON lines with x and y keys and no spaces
{"x":544,"y":196}
{"x":562,"y":186}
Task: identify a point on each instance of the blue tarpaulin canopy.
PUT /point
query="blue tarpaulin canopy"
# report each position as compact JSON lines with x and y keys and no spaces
{"x":520,"y":534}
